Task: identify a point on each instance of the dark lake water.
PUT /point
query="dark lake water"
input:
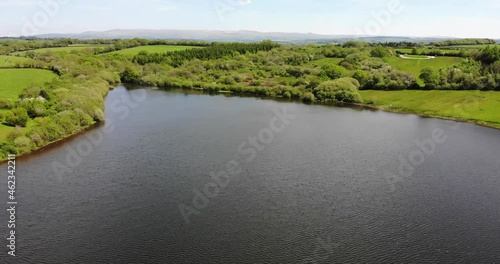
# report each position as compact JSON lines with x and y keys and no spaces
{"x":316,"y":184}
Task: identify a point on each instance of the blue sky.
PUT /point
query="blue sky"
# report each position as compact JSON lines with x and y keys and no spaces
{"x":454,"y":18}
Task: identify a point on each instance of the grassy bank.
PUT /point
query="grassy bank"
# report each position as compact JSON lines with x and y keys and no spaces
{"x":472,"y":106}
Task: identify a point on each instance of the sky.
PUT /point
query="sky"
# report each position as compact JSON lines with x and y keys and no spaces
{"x":423,"y":18}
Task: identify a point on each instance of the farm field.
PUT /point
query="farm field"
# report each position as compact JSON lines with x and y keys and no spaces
{"x":15,"y":80}
{"x":478,"y":106}
{"x":151,"y":49}
{"x":327,"y":61}
{"x":61,"y":49}
{"x":415,"y":67}
{"x":11,"y":61}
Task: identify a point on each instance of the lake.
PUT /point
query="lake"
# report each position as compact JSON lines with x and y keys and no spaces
{"x":192,"y":178}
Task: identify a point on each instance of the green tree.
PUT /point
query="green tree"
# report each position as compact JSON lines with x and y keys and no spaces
{"x":333,"y":71}
{"x":130,"y":75}
{"x":430,"y":78}
{"x":379,"y":52}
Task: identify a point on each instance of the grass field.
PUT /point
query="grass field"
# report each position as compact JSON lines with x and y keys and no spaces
{"x":327,"y":61}
{"x":475,"y":106}
{"x":5,"y":131}
{"x":62,"y":49}
{"x":415,"y":67}
{"x":15,"y":80}
{"x":151,"y":49}
{"x":10,"y":61}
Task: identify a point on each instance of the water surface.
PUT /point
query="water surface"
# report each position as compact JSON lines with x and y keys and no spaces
{"x":325,"y":190}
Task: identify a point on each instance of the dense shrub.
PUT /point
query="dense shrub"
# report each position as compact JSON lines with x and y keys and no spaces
{"x":343,"y":90}
{"x":17,"y":117}
{"x":379,"y":52}
{"x":6,"y":104}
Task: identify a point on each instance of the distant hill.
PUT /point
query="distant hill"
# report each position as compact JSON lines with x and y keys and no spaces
{"x":242,"y":35}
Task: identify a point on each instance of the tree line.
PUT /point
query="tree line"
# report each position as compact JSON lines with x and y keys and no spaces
{"x":464,"y":42}
{"x":212,"y":52}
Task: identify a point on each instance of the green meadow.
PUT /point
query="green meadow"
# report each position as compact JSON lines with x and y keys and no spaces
{"x":415,"y":67}
{"x":4,"y":130}
{"x":327,"y":61}
{"x":61,"y":49}
{"x":10,"y":61}
{"x":15,"y":80}
{"x":474,"y":106}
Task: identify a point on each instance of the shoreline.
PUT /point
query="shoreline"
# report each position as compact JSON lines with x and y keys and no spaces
{"x":455,"y":119}
{"x":56,"y":144}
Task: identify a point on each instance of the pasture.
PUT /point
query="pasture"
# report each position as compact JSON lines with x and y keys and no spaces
{"x":15,"y":80}
{"x":415,"y":66}
{"x":478,"y":106}
{"x":67,"y":49}
{"x":11,"y":61}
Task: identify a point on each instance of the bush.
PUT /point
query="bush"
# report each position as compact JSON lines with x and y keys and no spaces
{"x":333,"y":71}
{"x":23,"y":144}
{"x":35,"y":108}
{"x":309,"y":97}
{"x":379,"y":52}
{"x":228,"y":80}
{"x":344,"y":90}
{"x":84,"y":118}
{"x":99,"y":115}
{"x":6,"y":149}
{"x":130,"y":75}
{"x":6,"y":104}
{"x":17,"y":117}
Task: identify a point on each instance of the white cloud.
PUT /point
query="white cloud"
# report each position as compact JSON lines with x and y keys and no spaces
{"x":92,"y":7}
{"x":164,"y":5}
{"x":18,"y":3}
{"x":245,"y":2}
